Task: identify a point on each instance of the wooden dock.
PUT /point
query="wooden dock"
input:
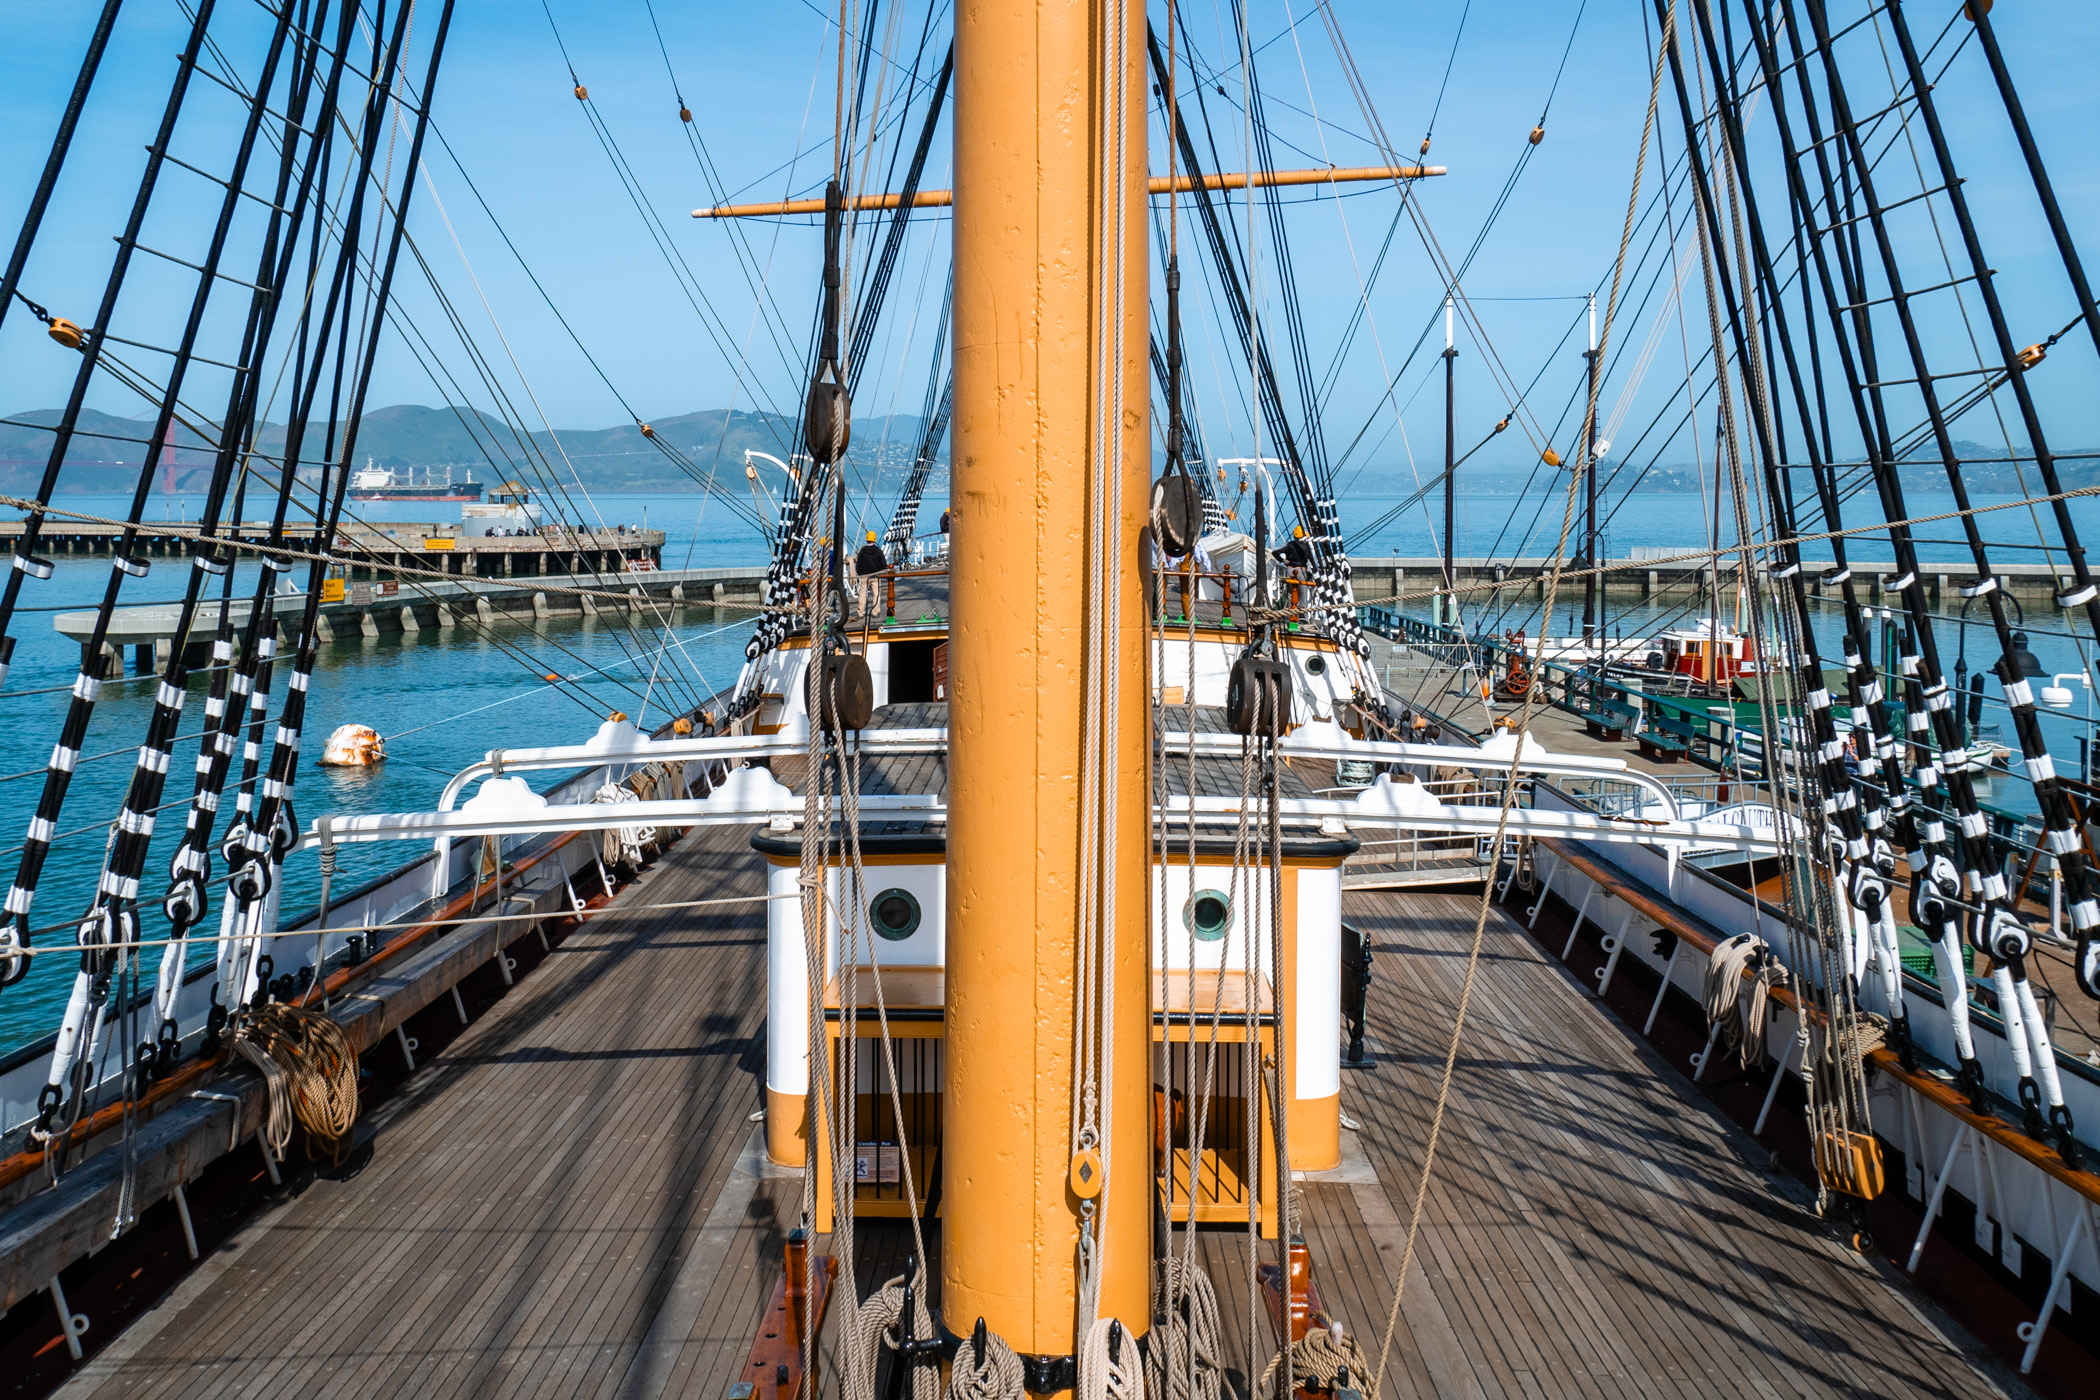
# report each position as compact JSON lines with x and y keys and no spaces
{"x":566,"y":1201}
{"x":1674,"y":576}
{"x":371,"y":548}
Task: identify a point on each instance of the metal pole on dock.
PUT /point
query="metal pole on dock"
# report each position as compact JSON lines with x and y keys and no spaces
{"x":1450,"y":467}
{"x":1589,"y":493}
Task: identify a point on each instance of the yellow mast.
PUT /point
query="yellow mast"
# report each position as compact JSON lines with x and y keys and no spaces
{"x":1032,"y":270}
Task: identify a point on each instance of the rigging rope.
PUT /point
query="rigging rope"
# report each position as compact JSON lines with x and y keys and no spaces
{"x":1185,"y":1353}
{"x":54,"y":162}
{"x":1525,"y":710}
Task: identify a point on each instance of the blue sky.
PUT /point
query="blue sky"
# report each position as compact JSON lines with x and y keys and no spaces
{"x":755,"y":77}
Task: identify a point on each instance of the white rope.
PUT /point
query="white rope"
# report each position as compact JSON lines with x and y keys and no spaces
{"x":812,"y":887}
{"x":623,"y":843}
{"x":997,"y":1377}
{"x":1738,"y":1019}
{"x":277,"y":1122}
{"x":1093,"y":1069}
{"x":1110,"y":1366}
{"x":1185,"y":1357}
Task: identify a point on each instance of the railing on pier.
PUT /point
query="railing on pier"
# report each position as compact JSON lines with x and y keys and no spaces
{"x":1726,"y":737}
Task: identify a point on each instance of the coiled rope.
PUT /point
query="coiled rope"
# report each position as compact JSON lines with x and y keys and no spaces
{"x":873,"y":1323}
{"x":1318,"y":1360}
{"x":310,"y":1068}
{"x":1185,"y":1357}
{"x":1740,"y":975}
{"x":1110,"y":1367}
{"x":996,"y":1377}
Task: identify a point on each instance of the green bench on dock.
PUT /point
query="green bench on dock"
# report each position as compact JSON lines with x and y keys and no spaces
{"x":1668,"y":737}
{"x":1604,"y":719}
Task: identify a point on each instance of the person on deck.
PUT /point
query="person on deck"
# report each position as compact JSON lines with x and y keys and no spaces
{"x":870,"y":562}
{"x":1298,"y":554}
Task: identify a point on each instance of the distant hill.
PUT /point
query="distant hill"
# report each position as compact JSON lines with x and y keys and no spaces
{"x":1986,"y":470}
{"x":106,"y":450}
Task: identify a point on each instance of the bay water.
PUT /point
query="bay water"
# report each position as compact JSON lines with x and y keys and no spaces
{"x":443,"y":699}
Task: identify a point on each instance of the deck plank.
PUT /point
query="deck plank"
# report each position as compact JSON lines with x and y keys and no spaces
{"x":540,"y":1189}
{"x":534,"y":1187}
{"x":1591,"y":1228}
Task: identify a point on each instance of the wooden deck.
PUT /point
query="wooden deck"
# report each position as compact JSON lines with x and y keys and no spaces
{"x":567,"y":1202}
{"x":1591,"y":1228}
{"x":536,"y":1196}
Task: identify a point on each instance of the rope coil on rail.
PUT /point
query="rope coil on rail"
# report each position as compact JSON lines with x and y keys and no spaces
{"x":873,"y":1326}
{"x":310,"y":1067}
{"x":1740,"y":976}
{"x":997,"y":1376}
{"x":1110,"y":1367}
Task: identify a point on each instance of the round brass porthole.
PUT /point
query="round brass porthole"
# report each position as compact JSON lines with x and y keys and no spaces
{"x":894,"y":914}
{"x":1207,"y":914}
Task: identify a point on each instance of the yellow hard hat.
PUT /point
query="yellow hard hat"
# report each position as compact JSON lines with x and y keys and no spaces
{"x":1297,"y":532}
{"x":871,"y":537}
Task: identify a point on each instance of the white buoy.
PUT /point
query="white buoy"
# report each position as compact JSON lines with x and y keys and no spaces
{"x":353,"y":746}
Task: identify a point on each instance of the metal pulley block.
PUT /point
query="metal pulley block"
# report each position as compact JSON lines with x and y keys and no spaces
{"x":1935,"y":891}
{"x":14,"y":961}
{"x":97,"y":937}
{"x":845,"y":697}
{"x":2004,"y":936}
{"x":1177,"y":513}
{"x":186,"y":900}
{"x":284,"y":835}
{"x":1258,"y":697}
{"x":827,"y":421}
{"x":1868,"y":890}
{"x":249,"y":882}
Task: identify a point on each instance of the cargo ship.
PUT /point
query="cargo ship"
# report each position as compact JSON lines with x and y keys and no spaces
{"x":373,"y":483}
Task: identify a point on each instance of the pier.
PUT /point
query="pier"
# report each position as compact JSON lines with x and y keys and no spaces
{"x":374,"y":548}
{"x":374,"y":607}
{"x":1667,"y":576}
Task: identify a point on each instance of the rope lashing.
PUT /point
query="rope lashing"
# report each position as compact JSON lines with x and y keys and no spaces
{"x":1740,"y":976}
{"x":1322,"y":1358}
{"x":326,"y":826}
